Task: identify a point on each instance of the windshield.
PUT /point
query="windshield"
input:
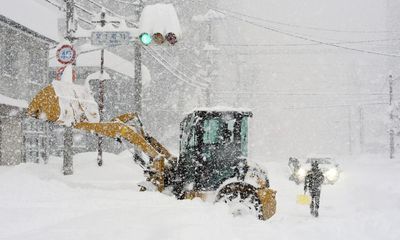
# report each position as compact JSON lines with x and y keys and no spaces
{"x":218,"y":130}
{"x":226,"y":130}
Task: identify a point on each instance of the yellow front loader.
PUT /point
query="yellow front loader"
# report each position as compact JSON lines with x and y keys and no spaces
{"x":212,"y":161}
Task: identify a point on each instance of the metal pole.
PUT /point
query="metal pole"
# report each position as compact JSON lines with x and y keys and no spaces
{"x":138,"y":67}
{"x":101,"y":97}
{"x":138,"y":78}
{"x":391,"y":132}
{"x":101,"y":111}
{"x":137,"y":83}
{"x":67,"y":153}
{"x":68,"y":134}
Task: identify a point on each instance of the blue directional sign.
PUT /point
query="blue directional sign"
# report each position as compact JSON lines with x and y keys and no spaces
{"x":105,"y":38}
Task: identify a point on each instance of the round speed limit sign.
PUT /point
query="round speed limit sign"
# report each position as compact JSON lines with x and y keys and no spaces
{"x":66,"y":54}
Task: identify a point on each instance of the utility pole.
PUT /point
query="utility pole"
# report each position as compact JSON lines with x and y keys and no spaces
{"x":138,"y":71}
{"x":391,"y":131}
{"x":362,"y":140}
{"x":101,"y":96}
{"x":350,"y":131}
{"x":68,"y":134}
{"x":138,"y":67}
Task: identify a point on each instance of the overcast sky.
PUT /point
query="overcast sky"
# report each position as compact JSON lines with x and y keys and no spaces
{"x":284,"y":123}
{"x":314,"y":125}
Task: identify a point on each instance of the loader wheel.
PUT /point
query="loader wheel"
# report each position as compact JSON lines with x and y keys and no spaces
{"x":242,"y":199}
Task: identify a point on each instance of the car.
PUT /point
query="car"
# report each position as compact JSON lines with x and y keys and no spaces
{"x":327,"y":164}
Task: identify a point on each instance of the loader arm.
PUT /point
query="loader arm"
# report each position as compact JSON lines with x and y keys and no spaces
{"x":46,"y":105}
{"x":121,"y":130}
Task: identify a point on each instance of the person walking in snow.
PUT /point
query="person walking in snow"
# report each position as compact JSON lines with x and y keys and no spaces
{"x":313,"y":182}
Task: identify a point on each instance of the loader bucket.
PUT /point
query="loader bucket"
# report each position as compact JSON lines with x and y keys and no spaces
{"x":64,"y":103}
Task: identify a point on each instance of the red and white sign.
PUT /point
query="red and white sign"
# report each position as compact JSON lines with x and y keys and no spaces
{"x":66,"y":54}
{"x":60,"y":72}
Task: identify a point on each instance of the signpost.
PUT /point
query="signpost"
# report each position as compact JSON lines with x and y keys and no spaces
{"x":60,"y":72}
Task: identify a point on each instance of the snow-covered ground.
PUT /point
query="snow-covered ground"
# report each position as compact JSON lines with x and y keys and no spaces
{"x":38,"y":202}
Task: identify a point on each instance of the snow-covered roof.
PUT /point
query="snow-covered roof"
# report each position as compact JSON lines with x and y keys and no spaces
{"x":13,"y":102}
{"x":220,"y":109}
{"x":36,"y":15}
{"x":160,"y":18}
{"x":88,"y":58}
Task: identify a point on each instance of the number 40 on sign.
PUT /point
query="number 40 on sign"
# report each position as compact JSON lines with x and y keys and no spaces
{"x":66,"y":54}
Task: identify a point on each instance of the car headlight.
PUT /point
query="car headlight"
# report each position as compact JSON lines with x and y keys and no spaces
{"x":301,"y":173}
{"x":332,"y":174}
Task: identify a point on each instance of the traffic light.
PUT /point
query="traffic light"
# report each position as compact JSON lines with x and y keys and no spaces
{"x":171,"y":38}
{"x":158,"y":38}
{"x":145,"y":38}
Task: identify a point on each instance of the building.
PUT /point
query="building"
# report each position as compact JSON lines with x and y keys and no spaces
{"x":23,"y":71}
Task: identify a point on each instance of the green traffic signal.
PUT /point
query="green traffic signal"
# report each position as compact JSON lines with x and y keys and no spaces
{"x":145,"y":38}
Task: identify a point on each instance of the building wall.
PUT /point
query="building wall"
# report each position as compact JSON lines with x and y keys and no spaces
{"x":23,"y":72}
{"x":11,"y":135}
{"x":23,"y":64}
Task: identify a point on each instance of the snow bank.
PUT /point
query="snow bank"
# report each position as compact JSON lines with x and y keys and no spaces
{"x":38,"y":202}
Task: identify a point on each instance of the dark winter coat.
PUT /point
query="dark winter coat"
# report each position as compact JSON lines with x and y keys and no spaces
{"x":313,"y":181}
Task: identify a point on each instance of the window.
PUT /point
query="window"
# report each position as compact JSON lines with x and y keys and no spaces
{"x":244,"y":129}
{"x":185,"y":131}
{"x":211,"y":127}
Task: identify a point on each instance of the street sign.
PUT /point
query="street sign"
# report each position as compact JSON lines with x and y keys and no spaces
{"x":66,"y":54}
{"x":112,"y":38}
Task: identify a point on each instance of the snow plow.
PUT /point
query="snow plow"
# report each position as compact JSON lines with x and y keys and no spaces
{"x":212,"y":162}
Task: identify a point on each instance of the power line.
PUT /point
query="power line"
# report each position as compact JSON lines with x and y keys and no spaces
{"x":333,"y":106}
{"x":112,"y":12}
{"x":172,"y":71}
{"x":60,"y":8}
{"x":307,"y":38}
{"x":83,"y":9}
{"x":127,"y":3}
{"x":303,"y":44}
{"x":305,"y":94}
{"x":203,"y":83}
{"x":184,"y":66}
{"x":302,"y":26}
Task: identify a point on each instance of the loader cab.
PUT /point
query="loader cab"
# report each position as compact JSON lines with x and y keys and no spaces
{"x":213,"y":147}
